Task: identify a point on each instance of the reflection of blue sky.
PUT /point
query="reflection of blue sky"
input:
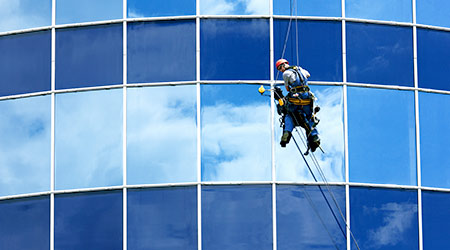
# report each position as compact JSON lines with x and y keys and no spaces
{"x":234,"y":7}
{"x":235,"y":133}
{"x":76,"y":11}
{"x":298,"y":225}
{"x":88,"y":139}
{"x":154,"y":8}
{"x":290,"y":165}
{"x":161,"y":134}
{"x":331,"y":8}
{"x":23,"y":14}
{"x":436,"y":216}
{"x":381,"y":136}
{"x":25,"y":145}
{"x":434,"y":137}
{"x":384,"y":219}
{"x":388,"y":10}
{"x":433,"y":12}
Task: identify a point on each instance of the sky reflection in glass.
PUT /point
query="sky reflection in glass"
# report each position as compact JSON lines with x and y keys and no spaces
{"x":25,"y":145}
{"x":381,"y":136}
{"x":234,"y":7}
{"x":387,"y":10}
{"x":436,"y":218}
{"x":155,"y":8}
{"x":384,"y":219}
{"x":24,"y":14}
{"x":298,"y":221}
{"x":289,"y":163}
{"x":434,"y":138}
{"x":77,"y":11}
{"x":433,"y":12}
{"x":235,"y":133}
{"x":329,"y":8}
{"x":161,"y":134}
{"x":88,"y":144}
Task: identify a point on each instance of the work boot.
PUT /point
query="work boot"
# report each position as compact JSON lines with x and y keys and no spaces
{"x":314,"y":142}
{"x":285,"y":138}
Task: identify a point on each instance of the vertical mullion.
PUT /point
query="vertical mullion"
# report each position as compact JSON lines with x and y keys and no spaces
{"x":52,"y":128}
{"x":199,"y":146}
{"x":124,"y":127}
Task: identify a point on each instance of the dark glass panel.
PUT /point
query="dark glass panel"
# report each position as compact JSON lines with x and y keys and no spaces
{"x":162,"y":218}
{"x":436,"y":218}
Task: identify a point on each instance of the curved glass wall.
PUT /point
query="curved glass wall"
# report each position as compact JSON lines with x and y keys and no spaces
{"x":141,"y":119}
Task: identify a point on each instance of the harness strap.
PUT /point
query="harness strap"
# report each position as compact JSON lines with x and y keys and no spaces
{"x":301,"y":102}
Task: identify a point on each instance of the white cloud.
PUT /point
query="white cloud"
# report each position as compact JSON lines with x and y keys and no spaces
{"x":20,"y":14}
{"x":232,"y":7}
{"x":217,"y":7}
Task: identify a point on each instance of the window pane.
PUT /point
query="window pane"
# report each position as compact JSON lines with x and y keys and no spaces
{"x":331,"y":8}
{"x":321,"y":56}
{"x":289,"y":163}
{"x":434,"y":137}
{"x":381,"y":136}
{"x":77,"y":11}
{"x":162,"y":218}
{"x":433,"y":58}
{"x":433,"y":12}
{"x":234,"y":49}
{"x":161,"y":51}
{"x":25,"y":223}
{"x":298,"y":223}
{"x":384,"y":219}
{"x":88,"y":131}
{"x":436,"y":217}
{"x":25,"y":145}
{"x":89,"y":221}
{"x":162,"y":134}
{"x":89,"y":56}
{"x":24,"y":14}
{"x":234,"y":7}
{"x":25,"y":64}
{"x":380,"y":54}
{"x":237,"y":217}
{"x":235,"y":133}
{"x":154,"y":8}
{"x":388,"y":10}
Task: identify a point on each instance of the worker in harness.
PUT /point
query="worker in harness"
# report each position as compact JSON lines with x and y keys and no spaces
{"x":297,"y":109}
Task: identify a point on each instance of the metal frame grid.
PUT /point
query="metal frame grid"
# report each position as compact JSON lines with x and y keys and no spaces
{"x":199,"y":183}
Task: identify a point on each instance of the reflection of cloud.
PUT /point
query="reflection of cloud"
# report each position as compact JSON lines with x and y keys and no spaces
{"x":290,"y":165}
{"x":236,"y":142}
{"x":25,"y":145}
{"x":398,"y":219}
{"x":22,"y":14}
{"x":230,"y":7}
{"x":133,"y":13}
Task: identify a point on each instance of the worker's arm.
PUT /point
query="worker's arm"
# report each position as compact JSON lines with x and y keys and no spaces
{"x":288,"y":77}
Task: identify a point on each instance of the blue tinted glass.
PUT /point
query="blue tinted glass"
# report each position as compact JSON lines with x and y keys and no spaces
{"x":88,"y":144}
{"x":289,"y":163}
{"x":25,"y":64}
{"x":380,"y":54}
{"x":162,"y":218}
{"x":162,"y":134}
{"x":234,"y":49}
{"x":398,"y":10}
{"x":25,"y":224}
{"x":319,"y":47}
{"x":154,"y":8}
{"x":161,"y":51}
{"x":76,"y":11}
{"x":89,"y":56}
{"x":384,"y":219}
{"x":300,"y":211}
{"x":235,"y":133}
{"x":25,"y":145}
{"x":234,"y":7}
{"x":433,"y":58}
{"x":434,"y":137}
{"x":435,"y":217}
{"x":433,"y":12}
{"x":237,"y":217}
{"x":89,"y":221}
{"x":381,"y":136}
{"x":331,"y":8}
{"x":24,"y":14}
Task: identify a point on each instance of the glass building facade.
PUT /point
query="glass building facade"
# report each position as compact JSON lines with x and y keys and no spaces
{"x":130,"y":124}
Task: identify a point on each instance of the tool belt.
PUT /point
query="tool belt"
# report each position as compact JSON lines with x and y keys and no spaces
{"x":301,"y":102}
{"x":299,"y":89}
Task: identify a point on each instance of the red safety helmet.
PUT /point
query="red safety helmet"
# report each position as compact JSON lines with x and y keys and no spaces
{"x":281,"y":62}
